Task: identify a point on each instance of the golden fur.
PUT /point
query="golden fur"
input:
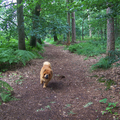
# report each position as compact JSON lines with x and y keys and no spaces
{"x":46,"y":74}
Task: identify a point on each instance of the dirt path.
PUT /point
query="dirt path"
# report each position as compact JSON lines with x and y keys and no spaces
{"x":70,"y":89}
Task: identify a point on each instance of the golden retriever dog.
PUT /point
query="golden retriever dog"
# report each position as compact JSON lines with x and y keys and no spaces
{"x":46,"y":74}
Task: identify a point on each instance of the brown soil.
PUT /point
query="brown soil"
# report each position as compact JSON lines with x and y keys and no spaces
{"x":71,"y":88}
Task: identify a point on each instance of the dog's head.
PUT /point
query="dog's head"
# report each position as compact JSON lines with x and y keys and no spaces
{"x":47,"y":74}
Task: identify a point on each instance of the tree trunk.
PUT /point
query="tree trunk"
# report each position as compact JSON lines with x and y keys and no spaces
{"x":55,"y":35}
{"x":105,"y":32}
{"x":101,"y":32}
{"x":55,"y":38}
{"x":34,"y":38}
{"x":110,"y":34}
{"x":73,"y":28}
{"x":116,"y":28}
{"x":90,"y":31}
{"x":68,"y":21}
{"x":82,"y":30}
{"x":20,"y":21}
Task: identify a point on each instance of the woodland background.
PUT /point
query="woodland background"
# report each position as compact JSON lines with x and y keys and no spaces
{"x":86,"y":27}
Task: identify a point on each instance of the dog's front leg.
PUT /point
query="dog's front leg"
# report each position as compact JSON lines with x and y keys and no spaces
{"x":45,"y":84}
{"x":41,"y":81}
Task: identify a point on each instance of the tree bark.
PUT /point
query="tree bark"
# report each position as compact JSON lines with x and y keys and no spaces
{"x":90,"y":31}
{"x":73,"y":28}
{"x":82,"y":30}
{"x":35,"y":21}
{"x":116,"y":28}
{"x":20,"y":21}
{"x":68,"y":21}
{"x":105,"y":34}
{"x":110,"y":34}
{"x":55,"y":35}
{"x":101,"y":32}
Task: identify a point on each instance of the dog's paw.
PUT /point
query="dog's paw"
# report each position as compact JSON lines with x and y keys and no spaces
{"x":44,"y":86}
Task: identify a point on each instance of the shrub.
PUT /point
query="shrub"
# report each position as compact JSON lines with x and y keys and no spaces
{"x":103,"y":63}
{"x":89,"y":48}
{"x":10,"y":56}
{"x":107,"y":62}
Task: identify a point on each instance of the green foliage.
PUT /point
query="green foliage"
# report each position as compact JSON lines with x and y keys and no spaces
{"x":5,"y":91}
{"x":103,"y":100}
{"x":103,"y":63}
{"x":108,"y":82}
{"x":9,"y":53}
{"x":50,"y":41}
{"x":10,"y":56}
{"x":23,"y":56}
{"x":110,"y":106}
{"x":107,"y":62}
{"x":88,"y":48}
{"x":88,"y":104}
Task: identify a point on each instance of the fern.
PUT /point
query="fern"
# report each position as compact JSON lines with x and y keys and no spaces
{"x":107,"y":62}
{"x":5,"y":85}
{"x":10,"y":56}
{"x":6,"y":55}
{"x":24,"y":56}
{"x":88,"y":48}
{"x":103,"y":63}
{"x":5,"y":91}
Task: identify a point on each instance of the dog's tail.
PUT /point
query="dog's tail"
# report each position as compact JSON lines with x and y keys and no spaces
{"x":47,"y":63}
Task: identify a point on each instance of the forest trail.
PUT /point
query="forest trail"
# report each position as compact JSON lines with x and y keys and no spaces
{"x":72,"y":94}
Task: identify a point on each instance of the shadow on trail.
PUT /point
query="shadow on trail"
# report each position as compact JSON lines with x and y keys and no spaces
{"x":56,"y":85}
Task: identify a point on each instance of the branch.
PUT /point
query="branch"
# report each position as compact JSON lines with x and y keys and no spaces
{"x":9,"y":21}
{"x":8,"y":5}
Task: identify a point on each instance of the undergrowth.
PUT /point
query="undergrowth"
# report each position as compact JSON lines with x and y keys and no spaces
{"x":5,"y":92}
{"x":11,"y":55}
{"x":88,"y":48}
{"x":108,"y":61}
{"x":110,"y":107}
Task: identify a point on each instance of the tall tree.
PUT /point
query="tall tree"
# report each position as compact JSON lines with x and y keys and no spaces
{"x":90,"y":30}
{"x":68,"y":21}
{"x":20,"y":20}
{"x":55,"y":34}
{"x":73,"y":28}
{"x":110,"y":33}
{"x":34,"y":37}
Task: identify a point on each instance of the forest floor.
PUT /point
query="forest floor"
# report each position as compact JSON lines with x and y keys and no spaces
{"x":72,"y":94}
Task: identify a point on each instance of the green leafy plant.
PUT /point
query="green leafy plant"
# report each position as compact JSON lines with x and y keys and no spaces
{"x":19,"y":81}
{"x":103,"y":63}
{"x":9,"y":53}
{"x":110,"y":106}
{"x":24,"y":56}
{"x":71,"y":113}
{"x":67,"y":105}
{"x":5,"y":91}
{"x":107,"y":62}
{"x":88,"y":104}
{"x":88,"y":48}
{"x":108,"y":82}
{"x":9,"y":56}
